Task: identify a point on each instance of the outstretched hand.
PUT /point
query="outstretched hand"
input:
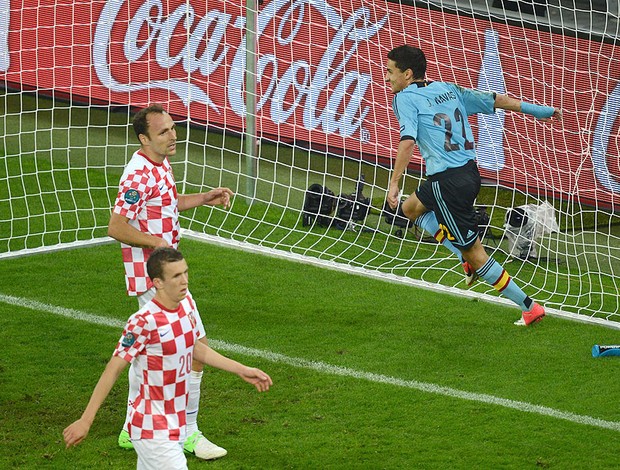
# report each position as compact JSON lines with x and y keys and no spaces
{"x":256,"y":377}
{"x":556,"y":116}
{"x":218,"y":196}
{"x":75,"y":432}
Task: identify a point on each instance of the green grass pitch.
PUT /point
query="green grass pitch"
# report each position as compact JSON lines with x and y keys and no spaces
{"x":367,"y":374}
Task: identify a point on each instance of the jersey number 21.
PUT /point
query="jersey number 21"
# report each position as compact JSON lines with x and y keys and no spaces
{"x":448,"y":145}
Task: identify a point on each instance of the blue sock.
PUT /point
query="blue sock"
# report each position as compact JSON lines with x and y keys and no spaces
{"x":496,"y":275}
{"x":428,"y":221}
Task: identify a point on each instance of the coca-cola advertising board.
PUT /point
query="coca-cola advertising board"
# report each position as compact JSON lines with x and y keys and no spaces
{"x":320,"y":72}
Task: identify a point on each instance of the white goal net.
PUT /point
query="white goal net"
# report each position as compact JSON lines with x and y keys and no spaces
{"x":306,"y":103}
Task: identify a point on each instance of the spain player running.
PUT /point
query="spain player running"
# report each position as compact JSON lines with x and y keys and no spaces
{"x":433,"y":116}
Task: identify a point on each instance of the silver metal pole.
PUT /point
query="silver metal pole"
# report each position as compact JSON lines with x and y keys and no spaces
{"x":250,"y":98}
{"x":5,"y":12}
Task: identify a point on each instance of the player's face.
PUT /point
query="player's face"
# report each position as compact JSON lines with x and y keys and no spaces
{"x":397,"y":79}
{"x":162,"y":136}
{"x":173,"y":286}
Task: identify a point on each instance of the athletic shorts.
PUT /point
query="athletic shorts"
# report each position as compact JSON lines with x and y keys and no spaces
{"x":451,"y":195}
{"x":160,"y":454}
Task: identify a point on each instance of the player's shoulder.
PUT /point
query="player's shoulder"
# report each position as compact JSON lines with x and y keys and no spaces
{"x":422,"y":90}
{"x":471,"y":92}
{"x":188,"y":303}
{"x":408,"y":96}
{"x":447,"y":86}
{"x":145,"y":316}
{"x":139,"y":165}
{"x":138,"y":161}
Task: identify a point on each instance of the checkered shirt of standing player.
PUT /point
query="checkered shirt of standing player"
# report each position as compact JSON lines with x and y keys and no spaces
{"x":433,"y":116}
{"x":146,"y":216}
{"x":160,"y":340}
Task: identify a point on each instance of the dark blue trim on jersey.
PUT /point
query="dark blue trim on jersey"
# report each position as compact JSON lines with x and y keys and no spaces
{"x":407,"y":137}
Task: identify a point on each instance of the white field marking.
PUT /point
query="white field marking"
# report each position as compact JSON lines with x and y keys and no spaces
{"x":332,"y":369}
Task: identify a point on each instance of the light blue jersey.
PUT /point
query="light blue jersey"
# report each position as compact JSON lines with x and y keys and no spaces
{"x":435,"y":115}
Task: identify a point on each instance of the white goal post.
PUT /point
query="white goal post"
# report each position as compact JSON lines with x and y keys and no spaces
{"x":274,"y":96}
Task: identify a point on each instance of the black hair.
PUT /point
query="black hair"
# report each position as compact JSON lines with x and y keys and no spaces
{"x":409,"y":57}
{"x":159,"y":257}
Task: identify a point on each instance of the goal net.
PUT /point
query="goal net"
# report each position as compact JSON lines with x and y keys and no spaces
{"x":272,"y":98}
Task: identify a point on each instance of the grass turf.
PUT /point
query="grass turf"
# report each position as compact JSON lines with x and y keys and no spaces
{"x":312,"y":418}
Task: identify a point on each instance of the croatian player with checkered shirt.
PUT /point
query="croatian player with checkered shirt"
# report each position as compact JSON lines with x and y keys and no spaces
{"x":160,"y":341}
{"x":146,"y":216}
{"x":433,"y":116}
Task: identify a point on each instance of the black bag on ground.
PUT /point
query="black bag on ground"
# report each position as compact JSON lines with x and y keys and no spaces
{"x":396,"y":217}
{"x":352,"y":207}
{"x":319,"y":204}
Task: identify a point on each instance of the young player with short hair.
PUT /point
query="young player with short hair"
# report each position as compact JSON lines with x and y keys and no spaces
{"x":433,"y":116}
{"x":160,"y":341}
{"x":146,"y":216}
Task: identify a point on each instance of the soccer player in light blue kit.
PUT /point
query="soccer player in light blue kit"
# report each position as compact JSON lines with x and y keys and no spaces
{"x":433,"y":116}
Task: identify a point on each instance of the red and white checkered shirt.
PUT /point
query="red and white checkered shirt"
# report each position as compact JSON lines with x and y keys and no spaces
{"x":148,"y":197}
{"x":160,"y":344}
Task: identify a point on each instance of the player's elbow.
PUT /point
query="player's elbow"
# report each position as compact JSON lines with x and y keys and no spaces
{"x":112,"y":232}
{"x":115,"y":228}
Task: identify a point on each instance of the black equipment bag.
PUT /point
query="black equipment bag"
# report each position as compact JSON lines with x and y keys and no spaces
{"x":396,"y":217}
{"x":352,"y":207}
{"x":484,"y":222}
{"x":319,"y":203}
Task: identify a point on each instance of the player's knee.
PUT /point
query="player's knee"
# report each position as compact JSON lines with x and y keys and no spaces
{"x":412,"y":208}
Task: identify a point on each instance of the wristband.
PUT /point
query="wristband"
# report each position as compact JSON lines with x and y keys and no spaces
{"x":539,"y":112}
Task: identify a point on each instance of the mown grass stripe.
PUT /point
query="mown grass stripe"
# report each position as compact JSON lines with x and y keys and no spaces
{"x":325,"y":368}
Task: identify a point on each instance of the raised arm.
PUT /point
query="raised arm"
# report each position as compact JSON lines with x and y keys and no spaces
{"x":544,"y":113}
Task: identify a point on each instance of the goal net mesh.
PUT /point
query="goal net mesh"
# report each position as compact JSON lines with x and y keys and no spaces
{"x":73,"y":73}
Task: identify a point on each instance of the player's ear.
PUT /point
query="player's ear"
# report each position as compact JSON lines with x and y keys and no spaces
{"x":144,"y":139}
{"x":158,"y":283}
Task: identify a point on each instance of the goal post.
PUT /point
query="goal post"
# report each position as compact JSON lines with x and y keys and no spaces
{"x":73,"y":73}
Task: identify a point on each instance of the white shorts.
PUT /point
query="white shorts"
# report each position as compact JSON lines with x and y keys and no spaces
{"x":160,"y":454}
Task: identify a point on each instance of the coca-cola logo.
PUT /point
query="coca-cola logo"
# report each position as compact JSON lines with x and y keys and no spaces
{"x":315,"y":60}
{"x":329,"y":93}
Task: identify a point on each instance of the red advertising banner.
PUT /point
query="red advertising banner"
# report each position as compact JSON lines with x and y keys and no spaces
{"x":321,"y":69}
